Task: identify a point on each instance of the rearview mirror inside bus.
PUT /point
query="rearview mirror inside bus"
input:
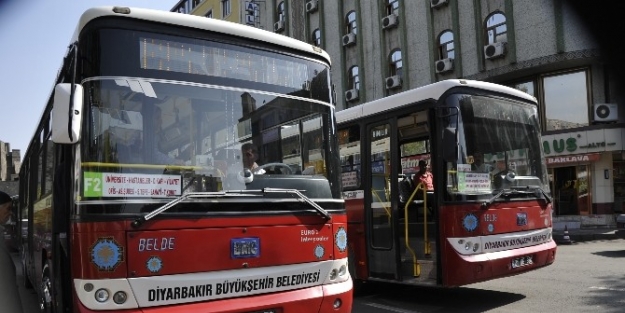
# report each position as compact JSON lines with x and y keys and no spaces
{"x":66,"y":113}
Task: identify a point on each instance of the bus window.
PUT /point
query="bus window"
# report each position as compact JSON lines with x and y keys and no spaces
{"x":349,"y":147}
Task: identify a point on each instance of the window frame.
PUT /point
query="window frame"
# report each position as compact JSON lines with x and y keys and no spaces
{"x":396,"y":65}
{"x":351,"y":23}
{"x":444,"y":50}
{"x":493,"y":27}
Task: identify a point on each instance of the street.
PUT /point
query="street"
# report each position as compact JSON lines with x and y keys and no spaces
{"x":587,"y":276}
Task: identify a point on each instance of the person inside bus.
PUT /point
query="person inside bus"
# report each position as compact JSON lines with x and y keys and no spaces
{"x":479,"y":165}
{"x":425,"y":177}
{"x":250,"y":156}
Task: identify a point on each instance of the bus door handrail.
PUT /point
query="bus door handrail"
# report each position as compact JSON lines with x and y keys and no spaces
{"x":427,"y":247}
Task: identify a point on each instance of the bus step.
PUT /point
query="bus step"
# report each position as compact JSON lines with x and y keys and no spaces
{"x":428,"y":270}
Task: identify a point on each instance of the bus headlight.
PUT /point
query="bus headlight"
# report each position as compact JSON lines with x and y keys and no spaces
{"x":342,"y":270}
{"x":333,"y":274}
{"x":120,"y":297}
{"x":101,"y":295}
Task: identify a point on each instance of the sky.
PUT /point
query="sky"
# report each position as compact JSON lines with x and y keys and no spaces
{"x":34,"y":36}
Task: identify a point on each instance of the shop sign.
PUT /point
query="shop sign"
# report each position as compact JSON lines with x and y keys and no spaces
{"x":580,"y":158}
{"x":590,"y":141}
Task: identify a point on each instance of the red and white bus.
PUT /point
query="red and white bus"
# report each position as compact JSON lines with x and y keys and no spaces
{"x":133,"y":188}
{"x":479,"y":222}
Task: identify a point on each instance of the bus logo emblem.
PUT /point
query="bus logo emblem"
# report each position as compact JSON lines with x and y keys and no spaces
{"x":341,"y":239}
{"x":107,"y":254}
{"x":470,"y":222}
{"x":521,"y":219}
{"x":319,"y":251}
{"x":154,"y":264}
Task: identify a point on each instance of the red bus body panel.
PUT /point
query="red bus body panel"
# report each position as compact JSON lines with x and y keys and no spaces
{"x":204,"y":245}
{"x":461,"y":270}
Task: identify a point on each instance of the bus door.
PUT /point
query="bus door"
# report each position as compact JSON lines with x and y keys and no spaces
{"x":417,"y":223}
{"x":380,"y":208}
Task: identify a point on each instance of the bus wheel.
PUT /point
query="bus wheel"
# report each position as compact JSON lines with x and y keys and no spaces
{"x":26,"y":282}
{"x":45,"y":300}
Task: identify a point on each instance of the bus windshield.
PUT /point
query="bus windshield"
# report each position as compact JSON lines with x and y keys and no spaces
{"x":491,"y":144}
{"x":163,"y":138}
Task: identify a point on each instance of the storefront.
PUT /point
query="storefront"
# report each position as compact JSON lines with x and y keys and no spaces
{"x":586,"y":173}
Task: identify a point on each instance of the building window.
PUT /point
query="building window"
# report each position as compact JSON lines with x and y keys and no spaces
{"x":281,"y":11}
{"x":496,"y":29}
{"x":316,"y":37}
{"x":209,"y":14}
{"x":226,"y":8}
{"x":446,"y":45}
{"x":527,"y":87}
{"x":350,"y":22}
{"x":195,"y":3}
{"x":566,"y":100}
{"x":392,"y":7}
{"x":353,"y":79}
{"x":395,"y":65}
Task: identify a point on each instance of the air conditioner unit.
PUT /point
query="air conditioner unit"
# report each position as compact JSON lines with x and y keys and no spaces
{"x":495,"y":50}
{"x":437,"y":3}
{"x":349,"y":39}
{"x":311,"y":6}
{"x":393,"y":82}
{"x":278,"y":26}
{"x":444,"y":65}
{"x":390,"y":21}
{"x":351,"y":95}
{"x":605,"y":112}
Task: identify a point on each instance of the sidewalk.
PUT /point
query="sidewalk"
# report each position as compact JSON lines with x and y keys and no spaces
{"x":586,"y":234}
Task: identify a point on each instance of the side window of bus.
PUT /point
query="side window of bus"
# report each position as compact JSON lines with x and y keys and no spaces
{"x":349,"y":149}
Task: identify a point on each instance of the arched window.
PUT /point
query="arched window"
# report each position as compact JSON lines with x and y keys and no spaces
{"x":316,"y":37}
{"x":281,"y":11}
{"x":353,"y":79}
{"x":392,"y":7}
{"x":496,"y":29}
{"x":395,"y":63}
{"x":350,"y":22}
{"x":446,"y":45}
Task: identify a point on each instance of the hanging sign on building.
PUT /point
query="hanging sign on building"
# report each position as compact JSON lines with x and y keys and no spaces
{"x":251,"y":12}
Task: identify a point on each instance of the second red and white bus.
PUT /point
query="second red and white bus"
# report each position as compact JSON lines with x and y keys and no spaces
{"x":479,"y":222}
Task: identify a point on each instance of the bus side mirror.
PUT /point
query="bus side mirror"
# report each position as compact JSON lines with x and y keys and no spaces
{"x":66,"y":116}
{"x":450,"y":145}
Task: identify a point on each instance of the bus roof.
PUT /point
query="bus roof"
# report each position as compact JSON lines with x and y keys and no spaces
{"x":200,"y":22}
{"x":432,"y":91}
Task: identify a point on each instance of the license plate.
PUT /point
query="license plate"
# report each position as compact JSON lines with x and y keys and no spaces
{"x":245,"y":248}
{"x":522,"y":261}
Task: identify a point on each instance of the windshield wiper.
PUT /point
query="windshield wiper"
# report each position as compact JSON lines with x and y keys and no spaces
{"x":502,"y":192}
{"x":236,"y":193}
{"x":317,"y":207}
{"x":517,"y":190}
{"x":539,"y":191}
{"x":231,"y":193}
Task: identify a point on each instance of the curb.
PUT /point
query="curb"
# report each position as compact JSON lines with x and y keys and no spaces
{"x":559,"y":238}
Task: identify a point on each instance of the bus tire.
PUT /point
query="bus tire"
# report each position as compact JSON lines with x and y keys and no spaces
{"x":45,"y":298}
{"x":26,"y":280}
